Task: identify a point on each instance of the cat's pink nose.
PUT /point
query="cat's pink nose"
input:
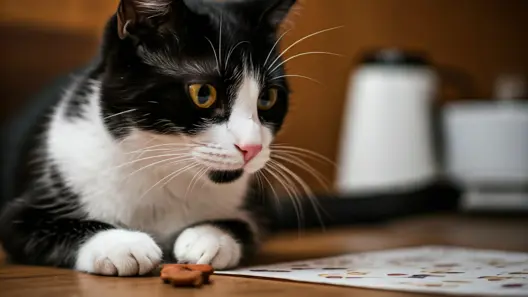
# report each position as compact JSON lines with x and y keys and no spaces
{"x":249,"y":151}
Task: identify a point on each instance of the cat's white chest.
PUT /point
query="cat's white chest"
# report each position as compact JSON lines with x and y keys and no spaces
{"x":165,"y":209}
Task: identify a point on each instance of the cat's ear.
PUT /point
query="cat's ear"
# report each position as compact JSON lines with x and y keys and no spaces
{"x":277,"y":12}
{"x":132,"y":13}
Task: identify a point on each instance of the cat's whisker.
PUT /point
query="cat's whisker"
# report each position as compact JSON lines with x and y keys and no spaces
{"x":296,"y":75}
{"x":170,"y":177}
{"x":300,"y":150}
{"x":259,"y":181}
{"x":272,"y":188}
{"x":179,"y":158}
{"x":188,"y":167}
{"x":215,"y":54}
{"x":301,"y":40}
{"x":275,"y":45}
{"x":207,"y":169}
{"x":311,"y":196}
{"x":231,"y":52}
{"x":169,"y":162}
{"x":176,"y":145}
{"x":294,"y":160}
{"x":145,"y":144}
{"x":157,"y":150}
{"x":307,"y":156}
{"x":291,"y":191}
{"x":298,"y":211}
{"x":148,"y":158}
{"x":119,"y":113}
{"x":303,"y":54}
{"x":195,"y":178}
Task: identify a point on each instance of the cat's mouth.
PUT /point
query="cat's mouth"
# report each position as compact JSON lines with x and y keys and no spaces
{"x":228,"y":166}
{"x":225,"y":176}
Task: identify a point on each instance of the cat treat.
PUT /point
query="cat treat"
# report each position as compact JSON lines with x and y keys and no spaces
{"x":183,"y":275}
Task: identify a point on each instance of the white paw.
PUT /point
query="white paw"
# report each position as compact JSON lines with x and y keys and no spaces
{"x":119,"y":252}
{"x":207,"y":244}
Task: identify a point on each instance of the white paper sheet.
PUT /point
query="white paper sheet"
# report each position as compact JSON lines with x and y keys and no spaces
{"x":433,"y":269}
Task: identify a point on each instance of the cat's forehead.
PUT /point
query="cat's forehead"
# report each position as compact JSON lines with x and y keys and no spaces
{"x":217,"y":40}
{"x":212,"y":66}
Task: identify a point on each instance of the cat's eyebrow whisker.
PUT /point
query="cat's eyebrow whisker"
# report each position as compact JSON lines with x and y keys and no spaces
{"x":231,"y":52}
{"x":304,"y":54}
{"x":301,"y":40}
{"x":119,"y":113}
{"x":296,"y":75}
{"x":215,"y":54}
{"x":275,"y":45}
{"x":311,"y":196}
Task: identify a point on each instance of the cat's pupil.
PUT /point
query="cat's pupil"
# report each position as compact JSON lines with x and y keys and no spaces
{"x":204,"y":94}
{"x":264,"y":101}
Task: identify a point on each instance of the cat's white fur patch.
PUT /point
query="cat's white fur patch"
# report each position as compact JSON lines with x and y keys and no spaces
{"x":244,"y":122}
{"x":119,"y":252}
{"x":243,"y":128}
{"x":147,"y":196}
{"x":207,"y":244}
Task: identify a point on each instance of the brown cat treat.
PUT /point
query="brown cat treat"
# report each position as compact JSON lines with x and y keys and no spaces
{"x":183,"y":278}
{"x":186,"y":275}
{"x":207,"y":270}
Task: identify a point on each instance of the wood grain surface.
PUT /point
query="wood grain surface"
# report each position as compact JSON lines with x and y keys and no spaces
{"x":488,"y":233}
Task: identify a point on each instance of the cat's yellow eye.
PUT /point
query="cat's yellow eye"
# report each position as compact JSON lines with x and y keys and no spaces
{"x":267,"y":102}
{"x":203,"y":95}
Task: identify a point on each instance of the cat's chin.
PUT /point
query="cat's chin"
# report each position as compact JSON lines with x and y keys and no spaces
{"x":225,"y":176}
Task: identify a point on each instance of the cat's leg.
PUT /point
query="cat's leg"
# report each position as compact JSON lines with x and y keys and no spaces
{"x":39,"y":236}
{"x":222,"y":244}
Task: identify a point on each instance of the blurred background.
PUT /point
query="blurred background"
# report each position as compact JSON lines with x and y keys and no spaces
{"x":466,"y":55}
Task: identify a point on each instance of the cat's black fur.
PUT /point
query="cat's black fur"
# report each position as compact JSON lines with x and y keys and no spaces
{"x":144,"y":70}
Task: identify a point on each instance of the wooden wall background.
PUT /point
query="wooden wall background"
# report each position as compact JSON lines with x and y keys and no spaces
{"x":41,"y":39}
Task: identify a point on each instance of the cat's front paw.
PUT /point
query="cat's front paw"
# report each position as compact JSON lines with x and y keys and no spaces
{"x":119,"y":252}
{"x":207,"y":244}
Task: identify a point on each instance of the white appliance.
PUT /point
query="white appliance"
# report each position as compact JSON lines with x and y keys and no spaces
{"x":386,"y":141}
{"x":486,"y":146}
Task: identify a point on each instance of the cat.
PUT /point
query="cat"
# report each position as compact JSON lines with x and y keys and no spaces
{"x":151,"y":154}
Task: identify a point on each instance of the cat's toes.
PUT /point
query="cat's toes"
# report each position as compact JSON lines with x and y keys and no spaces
{"x":119,"y":252}
{"x":207,"y":244}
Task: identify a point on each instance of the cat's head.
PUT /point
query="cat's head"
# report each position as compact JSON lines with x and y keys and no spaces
{"x":201,"y":77}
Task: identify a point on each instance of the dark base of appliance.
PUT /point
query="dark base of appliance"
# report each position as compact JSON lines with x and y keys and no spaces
{"x":341,"y":211}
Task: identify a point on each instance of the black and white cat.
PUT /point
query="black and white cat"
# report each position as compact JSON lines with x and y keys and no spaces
{"x":151,"y":154}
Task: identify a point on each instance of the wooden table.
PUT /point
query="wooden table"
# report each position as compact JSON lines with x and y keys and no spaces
{"x":492,"y":233}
